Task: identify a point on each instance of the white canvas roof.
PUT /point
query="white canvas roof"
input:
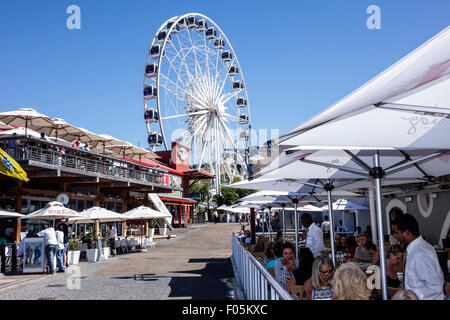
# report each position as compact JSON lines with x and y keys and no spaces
{"x":418,"y":82}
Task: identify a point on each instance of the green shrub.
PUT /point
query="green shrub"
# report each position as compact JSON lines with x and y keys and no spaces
{"x":74,"y":244}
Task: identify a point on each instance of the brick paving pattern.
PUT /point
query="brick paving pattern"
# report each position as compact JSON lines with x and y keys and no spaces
{"x":194,"y":265}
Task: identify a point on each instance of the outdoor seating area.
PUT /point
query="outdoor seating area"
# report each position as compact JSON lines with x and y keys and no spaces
{"x":397,"y":163}
{"x":92,"y":235}
{"x":274,"y":251}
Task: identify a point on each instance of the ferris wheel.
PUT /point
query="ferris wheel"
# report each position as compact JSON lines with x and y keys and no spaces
{"x":195,"y":93}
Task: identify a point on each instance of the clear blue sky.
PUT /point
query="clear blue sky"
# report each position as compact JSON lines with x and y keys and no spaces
{"x":298,"y":57}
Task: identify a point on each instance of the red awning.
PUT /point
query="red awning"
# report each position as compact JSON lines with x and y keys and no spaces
{"x":179,"y":200}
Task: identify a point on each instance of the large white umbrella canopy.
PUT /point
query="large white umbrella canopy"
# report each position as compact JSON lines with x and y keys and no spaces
{"x":233,"y":209}
{"x":99,"y":214}
{"x":121,"y":148}
{"x":106,"y":140}
{"x":9,"y":214}
{"x":26,"y":117}
{"x":418,"y":82}
{"x":343,"y":165}
{"x":263,"y":195}
{"x":270,"y":184}
{"x":144,"y":212}
{"x":53,"y":210}
{"x":293,"y":185}
{"x":63,"y":130}
{"x":21,"y":131}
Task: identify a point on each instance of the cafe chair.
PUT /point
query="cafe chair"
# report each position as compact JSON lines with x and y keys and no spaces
{"x":298,"y":291}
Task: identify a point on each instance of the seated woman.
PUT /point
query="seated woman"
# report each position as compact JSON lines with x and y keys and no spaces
{"x":345,"y":246}
{"x":319,"y":286}
{"x":284,"y":267}
{"x":304,"y":271}
{"x":350,"y":283}
{"x":362,"y":253}
{"x":279,"y":237}
{"x":272,"y":255}
{"x":394,"y":264}
{"x":259,"y":245}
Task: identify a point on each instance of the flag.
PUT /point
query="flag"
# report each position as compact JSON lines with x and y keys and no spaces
{"x":9,"y":167}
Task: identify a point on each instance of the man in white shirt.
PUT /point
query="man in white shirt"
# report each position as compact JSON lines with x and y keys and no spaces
{"x":51,"y":245}
{"x":423,"y":274}
{"x":59,"y":253}
{"x":314,"y":235}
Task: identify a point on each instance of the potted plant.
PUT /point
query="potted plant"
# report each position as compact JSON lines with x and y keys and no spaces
{"x":74,"y":250}
{"x":92,"y":250}
{"x":106,"y":247}
{"x":163,"y":228}
{"x":151,"y":226}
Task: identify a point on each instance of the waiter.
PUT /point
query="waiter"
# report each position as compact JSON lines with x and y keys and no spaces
{"x":314,"y":235}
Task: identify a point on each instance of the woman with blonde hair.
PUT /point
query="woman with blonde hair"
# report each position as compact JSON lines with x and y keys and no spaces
{"x":319,"y":286}
{"x":350,"y":283}
{"x":405,"y":295}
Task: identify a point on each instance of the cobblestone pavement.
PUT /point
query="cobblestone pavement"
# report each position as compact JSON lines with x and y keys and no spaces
{"x":194,"y":265}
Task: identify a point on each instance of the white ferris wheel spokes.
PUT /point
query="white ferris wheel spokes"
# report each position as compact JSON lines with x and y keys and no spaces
{"x":195,"y":93}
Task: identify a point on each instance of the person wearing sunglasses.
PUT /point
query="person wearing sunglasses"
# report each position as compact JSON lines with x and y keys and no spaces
{"x":319,"y":286}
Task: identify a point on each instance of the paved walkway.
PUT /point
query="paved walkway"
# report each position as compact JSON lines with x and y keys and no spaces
{"x":194,"y":265}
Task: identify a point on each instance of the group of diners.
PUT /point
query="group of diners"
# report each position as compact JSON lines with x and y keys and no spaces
{"x":412,"y":267}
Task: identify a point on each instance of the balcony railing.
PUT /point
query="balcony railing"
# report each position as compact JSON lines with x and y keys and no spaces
{"x":255,"y":282}
{"x":49,"y":155}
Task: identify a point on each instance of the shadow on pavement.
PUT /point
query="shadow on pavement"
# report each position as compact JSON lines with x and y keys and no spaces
{"x":211,"y":284}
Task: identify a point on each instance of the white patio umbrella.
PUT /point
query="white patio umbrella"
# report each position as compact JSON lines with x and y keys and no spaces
{"x":61,"y":129}
{"x":99,"y":214}
{"x":127,"y":150}
{"x":143,"y":212}
{"x":264,"y":195}
{"x":21,"y":131}
{"x":418,"y":82}
{"x":27,"y":117}
{"x":52,"y":211}
{"x":9,"y":214}
{"x":105,"y":140}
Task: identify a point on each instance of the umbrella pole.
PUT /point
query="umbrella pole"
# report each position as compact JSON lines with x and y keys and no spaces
{"x":373,"y":215}
{"x":263,"y":222}
{"x":270,"y":225}
{"x":296,"y":228}
{"x":328,"y":187}
{"x":377,"y":175}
